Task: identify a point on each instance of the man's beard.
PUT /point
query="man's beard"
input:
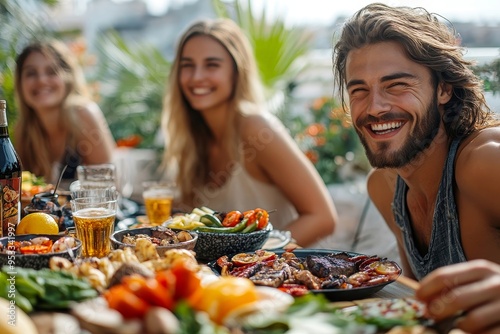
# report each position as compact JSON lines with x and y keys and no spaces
{"x":415,"y":143}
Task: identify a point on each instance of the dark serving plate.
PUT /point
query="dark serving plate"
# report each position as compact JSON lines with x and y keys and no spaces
{"x":331,"y":294}
{"x":35,"y":261}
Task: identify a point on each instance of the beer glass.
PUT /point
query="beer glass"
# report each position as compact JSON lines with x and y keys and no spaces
{"x":158,"y":198}
{"x":94,"y":218}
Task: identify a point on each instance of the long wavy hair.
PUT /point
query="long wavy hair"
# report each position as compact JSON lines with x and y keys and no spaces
{"x":31,"y":137}
{"x":187,"y":136}
{"x":429,"y":42}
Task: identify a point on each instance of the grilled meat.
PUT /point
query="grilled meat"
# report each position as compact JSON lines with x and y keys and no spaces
{"x":306,"y":278}
{"x":268,"y":276}
{"x":341,"y":255}
{"x":246,"y":271}
{"x":333,"y":282}
{"x":324,"y":266}
{"x":295,"y":262}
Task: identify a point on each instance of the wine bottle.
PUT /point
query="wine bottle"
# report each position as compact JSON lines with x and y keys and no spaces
{"x":10,"y":179}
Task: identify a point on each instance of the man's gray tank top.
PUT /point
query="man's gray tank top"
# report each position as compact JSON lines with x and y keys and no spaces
{"x":445,"y":246}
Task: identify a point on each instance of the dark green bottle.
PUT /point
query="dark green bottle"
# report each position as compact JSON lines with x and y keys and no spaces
{"x":10,"y":179}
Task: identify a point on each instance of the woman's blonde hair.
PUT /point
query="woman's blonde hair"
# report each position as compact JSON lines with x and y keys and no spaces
{"x":31,"y":138}
{"x":186,"y":134}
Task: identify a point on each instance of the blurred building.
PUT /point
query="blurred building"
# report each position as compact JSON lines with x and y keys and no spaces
{"x":130,"y":19}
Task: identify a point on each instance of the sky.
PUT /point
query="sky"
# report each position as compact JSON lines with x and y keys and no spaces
{"x":326,"y":11}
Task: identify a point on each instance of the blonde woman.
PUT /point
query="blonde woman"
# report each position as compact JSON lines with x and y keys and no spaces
{"x":227,"y":151}
{"x":58,"y":123}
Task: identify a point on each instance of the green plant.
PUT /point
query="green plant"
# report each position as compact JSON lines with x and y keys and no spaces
{"x":20,"y":21}
{"x":490,"y":74}
{"x":328,"y":139}
{"x":132,"y":80}
{"x":277,"y":48}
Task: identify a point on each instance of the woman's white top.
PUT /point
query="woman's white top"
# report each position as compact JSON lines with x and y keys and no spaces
{"x":242,"y":192}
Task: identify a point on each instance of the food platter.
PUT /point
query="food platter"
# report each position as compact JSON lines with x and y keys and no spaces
{"x":33,"y":260}
{"x":332,"y":294}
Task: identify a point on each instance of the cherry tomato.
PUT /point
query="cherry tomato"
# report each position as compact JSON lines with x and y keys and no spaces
{"x":262,"y":217}
{"x":232,"y":218}
{"x":250,"y":216}
{"x":258,"y":215}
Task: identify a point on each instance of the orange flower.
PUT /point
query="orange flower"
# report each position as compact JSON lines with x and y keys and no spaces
{"x":129,"y":141}
{"x":312,"y":156}
{"x":319,"y":103}
{"x":315,"y":129}
{"x":78,"y":47}
{"x":320,"y":141}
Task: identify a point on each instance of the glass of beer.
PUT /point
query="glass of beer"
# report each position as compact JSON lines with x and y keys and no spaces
{"x":158,"y":197}
{"x":94,"y":218}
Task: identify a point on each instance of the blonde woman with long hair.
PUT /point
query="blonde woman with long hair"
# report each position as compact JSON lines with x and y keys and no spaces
{"x":58,"y":123}
{"x":226,"y":150}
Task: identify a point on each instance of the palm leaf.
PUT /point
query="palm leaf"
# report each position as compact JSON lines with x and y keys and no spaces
{"x":132,"y":79}
{"x":20,"y":22}
{"x":277,"y":49}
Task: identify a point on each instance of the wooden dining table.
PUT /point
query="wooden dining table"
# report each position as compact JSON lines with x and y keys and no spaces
{"x":65,"y":323}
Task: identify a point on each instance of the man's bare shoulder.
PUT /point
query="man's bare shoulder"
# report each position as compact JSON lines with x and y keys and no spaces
{"x":478,"y":163}
{"x":479,"y":153}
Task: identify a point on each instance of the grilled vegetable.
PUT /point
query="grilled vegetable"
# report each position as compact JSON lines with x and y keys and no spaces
{"x":250,"y":228}
{"x":237,"y":228}
{"x":232,"y":218}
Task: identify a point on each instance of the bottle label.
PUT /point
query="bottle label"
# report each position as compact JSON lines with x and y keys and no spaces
{"x":10,"y":208}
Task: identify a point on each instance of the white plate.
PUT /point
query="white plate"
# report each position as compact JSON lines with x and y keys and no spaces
{"x":277,"y":239}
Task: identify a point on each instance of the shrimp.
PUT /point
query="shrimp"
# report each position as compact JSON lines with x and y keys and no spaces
{"x":40,"y":241}
{"x":63,"y":244}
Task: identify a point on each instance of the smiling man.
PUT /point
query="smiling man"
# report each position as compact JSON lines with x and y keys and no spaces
{"x":421,"y":115}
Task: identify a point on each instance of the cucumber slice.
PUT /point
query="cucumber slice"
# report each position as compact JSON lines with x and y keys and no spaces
{"x":199,"y":212}
{"x":250,"y":228}
{"x":207,"y":210}
{"x":210,"y":221}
